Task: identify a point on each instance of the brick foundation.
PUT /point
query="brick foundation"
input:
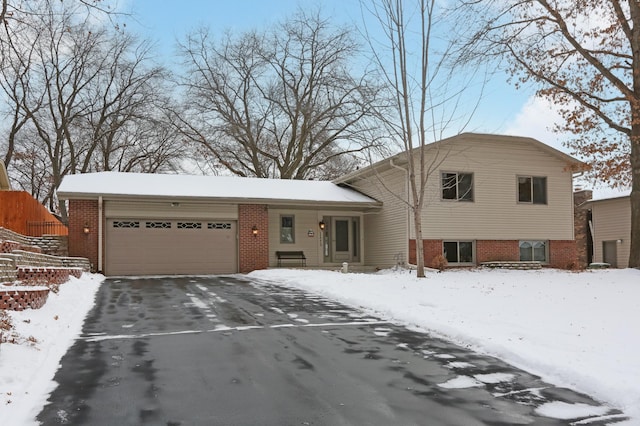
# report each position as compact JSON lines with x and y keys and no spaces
{"x":562,"y":254}
{"x":253,"y":249}
{"x":432,"y":248}
{"x":497,"y":250}
{"x":18,"y":300}
{"x":83,"y":213}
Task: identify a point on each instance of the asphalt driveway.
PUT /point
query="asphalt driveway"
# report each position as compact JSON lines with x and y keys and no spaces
{"x":226,"y":351}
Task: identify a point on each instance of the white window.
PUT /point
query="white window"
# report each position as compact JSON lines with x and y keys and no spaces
{"x":287,"y":229}
{"x":533,"y":251}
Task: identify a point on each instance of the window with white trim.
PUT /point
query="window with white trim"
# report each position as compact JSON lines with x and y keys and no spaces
{"x":532,"y":189}
{"x":533,"y":251}
{"x":287,"y":229}
{"x":457,"y":186}
{"x":458,"y":251}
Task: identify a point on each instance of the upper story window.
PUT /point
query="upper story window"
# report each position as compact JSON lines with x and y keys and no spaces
{"x":287,"y":231}
{"x":532,"y":189}
{"x":457,"y":186}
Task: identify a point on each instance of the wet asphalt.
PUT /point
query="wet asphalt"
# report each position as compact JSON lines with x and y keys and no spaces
{"x":228,"y":351}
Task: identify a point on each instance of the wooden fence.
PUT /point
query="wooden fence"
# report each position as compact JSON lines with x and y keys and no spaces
{"x":23,"y":214}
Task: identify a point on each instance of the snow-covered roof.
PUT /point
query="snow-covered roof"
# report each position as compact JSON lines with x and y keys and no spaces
{"x":145,"y":185}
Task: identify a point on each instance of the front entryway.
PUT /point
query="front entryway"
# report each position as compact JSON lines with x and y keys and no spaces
{"x":342,"y":239}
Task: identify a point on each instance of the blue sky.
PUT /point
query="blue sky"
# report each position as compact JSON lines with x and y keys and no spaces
{"x":166,"y":21}
{"x":503,"y":109}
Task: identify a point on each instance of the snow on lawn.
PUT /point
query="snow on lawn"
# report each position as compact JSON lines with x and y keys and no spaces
{"x":43,"y":335}
{"x":579,"y":330}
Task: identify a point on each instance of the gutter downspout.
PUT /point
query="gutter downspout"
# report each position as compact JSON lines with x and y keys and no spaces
{"x":100,"y":234}
{"x":408,"y":227}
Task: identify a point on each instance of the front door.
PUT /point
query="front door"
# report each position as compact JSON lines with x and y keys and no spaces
{"x":341,"y":239}
{"x":345,"y":239}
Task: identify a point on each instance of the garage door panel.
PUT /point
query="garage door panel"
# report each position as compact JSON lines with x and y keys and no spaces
{"x":146,"y":247}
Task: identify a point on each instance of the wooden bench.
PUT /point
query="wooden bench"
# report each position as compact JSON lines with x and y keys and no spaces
{"x":291,"y":255}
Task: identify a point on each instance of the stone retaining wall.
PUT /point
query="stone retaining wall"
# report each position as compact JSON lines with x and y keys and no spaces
{"x":57,"y":245}
{"x":8,"y":271}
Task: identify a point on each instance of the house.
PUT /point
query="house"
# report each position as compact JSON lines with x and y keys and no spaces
{"x":610,"y":226}
{"x":488,"y":198}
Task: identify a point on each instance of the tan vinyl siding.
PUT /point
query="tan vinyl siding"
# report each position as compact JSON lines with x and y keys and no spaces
{"x":305,"y":221}
{"x":385,"y":231}
{"x":165,"y":210}
{"x":612,"y":222}
{"x":495,"y":213}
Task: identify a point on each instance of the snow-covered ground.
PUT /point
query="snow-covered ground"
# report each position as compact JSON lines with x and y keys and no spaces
{"x":43,"y":336}
{"x":579,"y":330}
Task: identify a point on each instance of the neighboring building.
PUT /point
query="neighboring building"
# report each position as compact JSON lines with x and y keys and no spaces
{"x":611,"y":230}
{"x":489,"y":198}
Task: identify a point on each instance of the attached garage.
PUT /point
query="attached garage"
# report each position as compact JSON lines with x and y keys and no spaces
{"x":163,"y":246}
{"x":160,"y":237}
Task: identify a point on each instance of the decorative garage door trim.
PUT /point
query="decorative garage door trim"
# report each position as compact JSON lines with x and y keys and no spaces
{"x":170,"y":246}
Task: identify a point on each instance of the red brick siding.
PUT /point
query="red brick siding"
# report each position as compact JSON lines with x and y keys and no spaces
{"x":18,"y":300}
{"x":84,"y":213}
{"x":496,"y":250}
{"x":563,"y":254}
{"x":253,"y":250}
{"x":432,"y":248}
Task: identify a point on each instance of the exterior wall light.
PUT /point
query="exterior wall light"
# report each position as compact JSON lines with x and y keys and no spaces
{"x":321,"y":225}
{"x":86,"y":230}
{"x":254,"y":231}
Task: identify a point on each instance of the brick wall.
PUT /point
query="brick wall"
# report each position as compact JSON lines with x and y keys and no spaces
{"x":83,"y":213}
{"x":432,"y":248}
{"x":563,"y":254}
{"x":253,"y":249}
{"x":496,"y":250}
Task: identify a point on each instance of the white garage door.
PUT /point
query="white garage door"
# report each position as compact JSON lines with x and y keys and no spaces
{"x":172,"y":246}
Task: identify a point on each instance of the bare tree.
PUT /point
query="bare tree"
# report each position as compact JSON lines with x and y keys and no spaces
{"x":283,"y":103}
{"x":414,"y":62}
{"x":84,"y":98}
{"x":584,"y":57}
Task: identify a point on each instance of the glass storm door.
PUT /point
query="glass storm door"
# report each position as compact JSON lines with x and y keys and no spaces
{"x":342,"y":239}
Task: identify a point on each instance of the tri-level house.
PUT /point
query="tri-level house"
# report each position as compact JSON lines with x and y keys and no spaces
{"x":488,"y":198}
